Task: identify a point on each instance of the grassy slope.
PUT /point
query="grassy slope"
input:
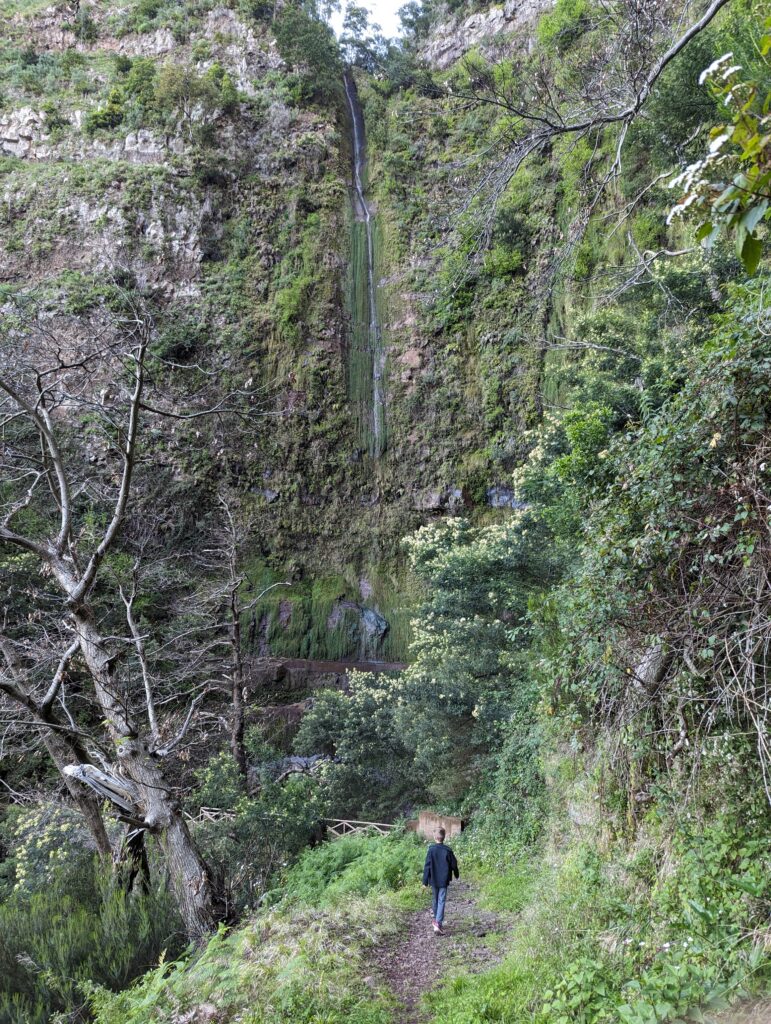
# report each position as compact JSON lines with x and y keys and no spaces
{"x":302,"y":962}
{"x":607,"y":927}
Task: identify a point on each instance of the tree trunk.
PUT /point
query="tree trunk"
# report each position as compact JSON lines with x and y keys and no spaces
{"x":158,"y":810}
{"x":237,"y":727}
{"x":237,"y":684}
{"x":199,"y":903}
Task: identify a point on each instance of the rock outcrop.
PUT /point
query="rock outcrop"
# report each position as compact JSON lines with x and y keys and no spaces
{"x":451,"y":39}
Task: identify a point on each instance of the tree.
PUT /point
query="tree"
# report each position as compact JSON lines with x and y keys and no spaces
{"x":664,"y":626}
{"x":72,"y":412}
{"x":196,"y":99}
{"x":414,"y":18}
{"x":18,"y":683}
{"x":216,"y":610}
{"x":307,"y":43}
{"x":362,"y":44}
{"x":618,"y":53}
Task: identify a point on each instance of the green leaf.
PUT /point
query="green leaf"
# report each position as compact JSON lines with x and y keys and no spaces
{"x":705,"y":231}
{"x":754,"y":215}
{"x":752,"y":250}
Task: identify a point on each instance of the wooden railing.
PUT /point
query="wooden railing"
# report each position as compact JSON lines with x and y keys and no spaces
{"x":206,"y":814}
{"x":338,"y":827}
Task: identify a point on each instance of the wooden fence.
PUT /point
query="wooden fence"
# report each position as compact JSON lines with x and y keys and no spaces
{"x":207,"y":814}
{"x":336,"y":828}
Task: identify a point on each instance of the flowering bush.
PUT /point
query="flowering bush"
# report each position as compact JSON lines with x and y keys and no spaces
{"x":729,"y":189}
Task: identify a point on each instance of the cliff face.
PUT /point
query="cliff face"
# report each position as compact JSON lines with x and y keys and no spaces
{"x":453,"y":37}
{"x":170,"y":146}
{"x":174,"y":146}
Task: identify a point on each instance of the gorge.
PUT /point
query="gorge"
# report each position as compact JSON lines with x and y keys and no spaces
{"x":385,"y":432}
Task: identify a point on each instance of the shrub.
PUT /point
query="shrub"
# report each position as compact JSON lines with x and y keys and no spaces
{"x":304,"y":967}
{"x":266,"y":831}
{"x":354,"y":866}
{"x":562,"y":26}
{"x":309,"y":44}
{"x":56,"y":121}
{"x":81,"y":928}
{"x":139,"y":82}
{"x":84,"y":26}
{"x":108,"y":116}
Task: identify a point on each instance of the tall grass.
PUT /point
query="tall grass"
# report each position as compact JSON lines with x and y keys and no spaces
{"x":83,"y":928}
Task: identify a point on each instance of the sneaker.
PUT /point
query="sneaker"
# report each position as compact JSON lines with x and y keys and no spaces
{"x":437,"y":927}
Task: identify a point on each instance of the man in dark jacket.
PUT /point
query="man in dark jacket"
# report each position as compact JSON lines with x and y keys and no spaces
{"x":440,"y":866}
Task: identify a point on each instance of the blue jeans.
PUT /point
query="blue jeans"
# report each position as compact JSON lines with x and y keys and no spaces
{"x":437,"y":903}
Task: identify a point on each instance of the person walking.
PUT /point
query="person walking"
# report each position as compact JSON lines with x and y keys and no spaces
{"x":438,"y":871}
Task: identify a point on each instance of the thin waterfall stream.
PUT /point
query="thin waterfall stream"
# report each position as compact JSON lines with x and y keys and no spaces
{"x":367,"y":334}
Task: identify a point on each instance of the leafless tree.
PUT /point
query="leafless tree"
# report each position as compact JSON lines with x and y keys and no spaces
{"x":23,"y":684}
{"x":73,"y":405}
{"x":222,"y":606}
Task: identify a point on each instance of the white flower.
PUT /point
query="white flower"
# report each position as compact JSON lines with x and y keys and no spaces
{"x":717,"y":143}
{"x":713,"y":67}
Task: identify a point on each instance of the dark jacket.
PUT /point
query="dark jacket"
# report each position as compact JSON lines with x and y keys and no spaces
{"x":440,"y":866}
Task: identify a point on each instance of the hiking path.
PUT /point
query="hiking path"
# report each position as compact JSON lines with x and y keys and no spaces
{"x":416,"y":960}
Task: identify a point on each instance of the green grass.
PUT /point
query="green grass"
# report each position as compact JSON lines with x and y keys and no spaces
{"x":8,"y":8}
{"x":336,"y":872}
{"x":303,"y":962}
{"x":304,"y":967}
{"x":601,"y":932}
{"x":608,"y":932}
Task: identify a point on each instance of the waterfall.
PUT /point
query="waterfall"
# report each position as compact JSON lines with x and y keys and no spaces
{"x":372,"y":342}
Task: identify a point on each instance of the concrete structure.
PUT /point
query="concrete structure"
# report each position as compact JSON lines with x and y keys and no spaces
{"x":428,"y":822}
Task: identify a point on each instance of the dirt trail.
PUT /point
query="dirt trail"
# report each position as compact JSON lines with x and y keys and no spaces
{"x":754,"y":1012}
{"x":413,"y":962}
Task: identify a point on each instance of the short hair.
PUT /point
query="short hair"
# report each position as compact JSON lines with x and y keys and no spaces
{"x":440,"y":832}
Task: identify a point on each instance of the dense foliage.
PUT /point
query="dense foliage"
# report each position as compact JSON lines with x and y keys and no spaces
{"x":67,"y":921}
{"x":567,"y":533}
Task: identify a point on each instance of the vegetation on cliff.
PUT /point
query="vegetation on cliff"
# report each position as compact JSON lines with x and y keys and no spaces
{"x":565,"y":532}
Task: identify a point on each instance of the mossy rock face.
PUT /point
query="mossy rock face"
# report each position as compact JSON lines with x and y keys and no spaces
{"x":239,"y":221}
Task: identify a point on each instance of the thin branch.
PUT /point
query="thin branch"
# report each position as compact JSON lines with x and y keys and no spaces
{"x":42,"y":425}
{"x":139,"y":643}
{"x":129,"y":457}
{"x":58,"y":678}
{"x":165,"y":750}
{"x":597,"y":348}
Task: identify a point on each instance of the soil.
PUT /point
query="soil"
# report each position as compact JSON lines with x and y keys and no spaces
{"x":754,"y":1012}
{"x":416,"y":960}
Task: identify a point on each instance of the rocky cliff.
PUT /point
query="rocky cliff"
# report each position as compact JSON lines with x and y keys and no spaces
{"x":452,"y":37}
{"x":177,"y":148}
